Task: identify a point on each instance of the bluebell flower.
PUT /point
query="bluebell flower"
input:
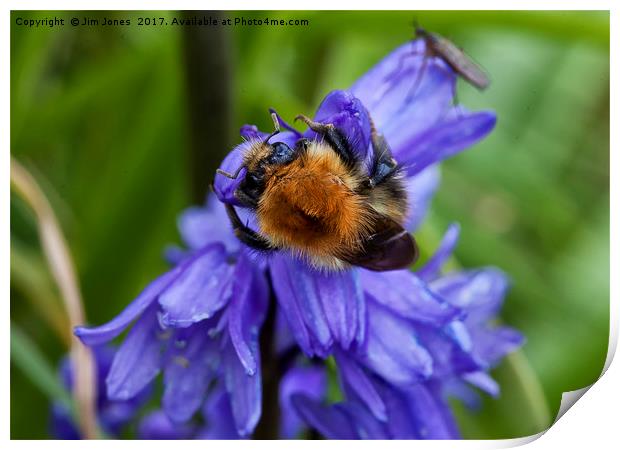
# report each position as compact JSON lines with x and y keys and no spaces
{"x":429,"y":336}
{"x":398,"y":338}
{"x":157,"y":426}
{"x":196,"y":323}
{"x":217,"y":418}
{"x":309,"y":380}
{"x":419,"y":412}
{"x":323,"y":308}
{"x":112,"y":415}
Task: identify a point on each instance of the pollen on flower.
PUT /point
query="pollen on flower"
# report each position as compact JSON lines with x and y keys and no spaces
{"x":182,"y":361}
{"x":164,"y":335}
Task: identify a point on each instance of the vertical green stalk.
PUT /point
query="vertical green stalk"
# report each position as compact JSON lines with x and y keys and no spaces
{"x":61,"y":266}
{"x":269,"y":424}
{"x":208,"y":73}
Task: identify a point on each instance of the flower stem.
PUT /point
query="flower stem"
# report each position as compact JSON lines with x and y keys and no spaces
{"x":529,"y":384}
{"x":61,"y":265}
{"x":268,"y":427}
{"x":209,"y":74}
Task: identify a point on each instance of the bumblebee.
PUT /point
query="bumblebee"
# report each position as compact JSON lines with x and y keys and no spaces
{"x":318,"y":201}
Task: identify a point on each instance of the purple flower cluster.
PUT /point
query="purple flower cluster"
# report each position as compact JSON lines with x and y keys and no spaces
{"x":113,"y":415}
{"x":401,"y":340}
{"x":427,"y":336}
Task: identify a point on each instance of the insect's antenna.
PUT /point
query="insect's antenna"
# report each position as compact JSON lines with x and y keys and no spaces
{"x":276,"y":126}
{"x":419,"y":31}
{"x":232,"y":176}
{"x":416,"y":25}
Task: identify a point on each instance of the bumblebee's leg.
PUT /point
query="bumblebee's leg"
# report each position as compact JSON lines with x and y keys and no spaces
{"x":384,"y":165}
{"x":245,"y":234}
{"x":246,"y":200}
{"x":380,"y":147}
{"x":333,"y":137}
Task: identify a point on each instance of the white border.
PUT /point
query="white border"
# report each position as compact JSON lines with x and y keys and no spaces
{"x":592,"y":422}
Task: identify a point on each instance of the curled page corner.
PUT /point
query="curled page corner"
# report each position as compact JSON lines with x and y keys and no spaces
{"x":569,"y":399}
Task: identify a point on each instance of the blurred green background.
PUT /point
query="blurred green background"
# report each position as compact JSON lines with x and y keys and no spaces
{"x":101,"y":117}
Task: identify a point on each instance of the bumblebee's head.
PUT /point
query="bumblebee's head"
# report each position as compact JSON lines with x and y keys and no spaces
{"x":262,"y":155}
{"x":259,"y":161}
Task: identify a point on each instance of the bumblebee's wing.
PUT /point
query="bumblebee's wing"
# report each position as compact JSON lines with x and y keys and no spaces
{"x":461,"y":62}
{"x":391,"y":247}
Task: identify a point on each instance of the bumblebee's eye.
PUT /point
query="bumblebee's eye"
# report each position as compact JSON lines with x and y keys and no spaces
{"x":280,"y":154}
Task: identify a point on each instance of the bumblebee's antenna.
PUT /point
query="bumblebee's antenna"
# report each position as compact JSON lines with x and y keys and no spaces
{"x":276,"y":126}
{"x":276,"y":122}
{"x":418,"y":30}
{"x":232,"y":176}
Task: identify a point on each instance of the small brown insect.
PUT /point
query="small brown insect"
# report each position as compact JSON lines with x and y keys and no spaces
{"x":437,"y":45}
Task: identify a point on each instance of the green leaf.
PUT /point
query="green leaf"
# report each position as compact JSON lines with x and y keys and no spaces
{"x":26,"y":356}
{"x":30,"y":277}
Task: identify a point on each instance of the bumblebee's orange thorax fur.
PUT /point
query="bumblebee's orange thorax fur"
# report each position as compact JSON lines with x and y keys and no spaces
{"x":311,"y":204}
